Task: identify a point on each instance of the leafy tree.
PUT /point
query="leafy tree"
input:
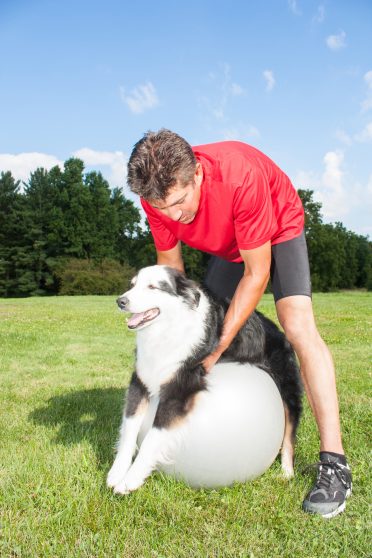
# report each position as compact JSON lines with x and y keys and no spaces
{"x":364,"y":257}
{"x":75,"y":205}
{"x":12,"y":229}
{"x":312,"y":208}
{"x":83,"y":277}
{"x":130,"y":239}
{"x":43,"y":218}
{"x":338,"y":258}
{"x":349,"y":270}
{"x":65,"y":230}
{"x":102,"y":218}
{"x":195,"y":262}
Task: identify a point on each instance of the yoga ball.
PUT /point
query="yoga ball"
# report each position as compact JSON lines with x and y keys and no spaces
{"x":233,"y":433}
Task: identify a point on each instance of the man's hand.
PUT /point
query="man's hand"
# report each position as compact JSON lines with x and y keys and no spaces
{"x":247,"y":295}
{"x":211,"y":360}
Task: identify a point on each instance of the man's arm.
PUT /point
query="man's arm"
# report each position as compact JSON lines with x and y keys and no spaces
{"x":172,"y":257}
{"x":247,"y":295}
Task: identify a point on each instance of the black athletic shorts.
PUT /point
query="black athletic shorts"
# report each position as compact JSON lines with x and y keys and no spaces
{"x":290,"y":272}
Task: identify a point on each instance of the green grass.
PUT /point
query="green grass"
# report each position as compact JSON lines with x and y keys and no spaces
{"x":64,"y":366}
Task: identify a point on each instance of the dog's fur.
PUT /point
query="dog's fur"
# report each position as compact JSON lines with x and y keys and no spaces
{"x":178,"y":324}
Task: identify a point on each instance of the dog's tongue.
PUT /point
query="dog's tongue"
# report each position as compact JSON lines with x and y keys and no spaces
{"x":136,"y":319}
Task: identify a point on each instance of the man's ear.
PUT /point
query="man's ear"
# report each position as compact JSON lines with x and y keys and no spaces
{"x":199,"y":173}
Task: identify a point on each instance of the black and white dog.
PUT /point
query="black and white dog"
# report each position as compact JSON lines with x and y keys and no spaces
{"x":178,"y":324}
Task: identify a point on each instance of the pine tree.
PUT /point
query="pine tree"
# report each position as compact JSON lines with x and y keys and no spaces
{"x":75,"y":203}
{"x":43,"y":217}
{"x":129,"y":236}
{"x":102,"y":218}
{"x":12,"y":230}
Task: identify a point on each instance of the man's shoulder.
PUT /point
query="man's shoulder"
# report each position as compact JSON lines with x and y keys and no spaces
{"x":225,"y":148}
{"x":229,"y":161}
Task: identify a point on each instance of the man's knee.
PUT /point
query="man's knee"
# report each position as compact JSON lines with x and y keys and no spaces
{"x":297,"y":322}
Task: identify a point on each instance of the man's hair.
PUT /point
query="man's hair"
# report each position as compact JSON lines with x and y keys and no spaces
{"x":158,"y":161}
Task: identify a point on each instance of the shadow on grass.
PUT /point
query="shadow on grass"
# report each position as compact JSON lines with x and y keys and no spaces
{"x":93,"y":415}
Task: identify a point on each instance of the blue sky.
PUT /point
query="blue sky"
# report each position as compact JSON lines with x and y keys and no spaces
{"x":293,"y":78}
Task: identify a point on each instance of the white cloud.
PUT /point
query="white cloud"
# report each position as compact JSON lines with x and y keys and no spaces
{"x":141,"y":98}
{"x":343,"y":137}
{"x":329,"y":188}
{"x":269,"y":78}
{"x":343,"y":198}
{"x":113,"y":163}
{"x":366,"y":134}
{"x":224,"y":89}
{"x":332,"y":193}
{"x":367,"y":102}
{"x":218,"y":112}
{"x":236,"y":89}
{"x":294,"y":7}
{"x":332,"y":176}
{"x":368,"y":78}
{"x":369,"y":186}
{"x":320,"y":14}
{"x":240,"y":133}
{"x":22,"y":164}
{"x":336,"y":42}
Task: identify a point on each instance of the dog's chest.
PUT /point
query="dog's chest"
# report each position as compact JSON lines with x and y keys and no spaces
{"x":153,"y":373}
{"x":159,"y":357}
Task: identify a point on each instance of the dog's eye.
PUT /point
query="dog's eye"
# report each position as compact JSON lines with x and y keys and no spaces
{"x":152,"y":287}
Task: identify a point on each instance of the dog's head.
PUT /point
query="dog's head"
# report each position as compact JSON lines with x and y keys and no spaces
{"x":157,"y":290}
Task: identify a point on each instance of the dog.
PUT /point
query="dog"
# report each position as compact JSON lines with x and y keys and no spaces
{"x":178,"y":323}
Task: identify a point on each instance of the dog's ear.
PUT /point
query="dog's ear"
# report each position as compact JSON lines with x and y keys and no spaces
{"x":184,"y":287}
{"x":188,"y":290}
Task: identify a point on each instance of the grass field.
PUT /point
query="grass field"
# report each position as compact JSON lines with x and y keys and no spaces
{"x":64,"y":365}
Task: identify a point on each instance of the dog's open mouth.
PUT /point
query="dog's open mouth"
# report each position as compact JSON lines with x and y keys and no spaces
{"x":141,"y":318}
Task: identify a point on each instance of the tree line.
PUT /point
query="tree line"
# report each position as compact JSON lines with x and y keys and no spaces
{"x":68,"y":232}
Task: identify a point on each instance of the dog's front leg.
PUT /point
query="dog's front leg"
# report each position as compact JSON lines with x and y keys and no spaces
{"x":151,"y":453}
{"x":134,"y":413}
{"x":159,"y":444}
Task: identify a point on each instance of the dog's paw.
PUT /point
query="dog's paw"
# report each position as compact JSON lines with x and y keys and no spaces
{"x":121,"y":489}
{"x":116,"y":474}
{"x":287,"y":471}
{"x":129,"y":484}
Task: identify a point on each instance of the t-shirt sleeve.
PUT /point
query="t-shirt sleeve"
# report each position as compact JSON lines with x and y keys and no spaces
{"x":164,"y":239}
{"x":254,"y":218}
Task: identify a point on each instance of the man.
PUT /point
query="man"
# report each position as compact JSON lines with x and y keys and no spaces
{"x":230,"y":200}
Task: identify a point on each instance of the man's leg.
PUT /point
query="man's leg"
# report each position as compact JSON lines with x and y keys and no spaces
{"x":290,"y":276}
{"x":296,"y":316}
{"x":222,"y":277}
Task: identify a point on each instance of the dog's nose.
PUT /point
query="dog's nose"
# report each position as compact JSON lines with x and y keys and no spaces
{"x":122,"y":302}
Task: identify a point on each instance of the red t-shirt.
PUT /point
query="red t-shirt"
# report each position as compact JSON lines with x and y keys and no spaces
{"x":245,"y":201}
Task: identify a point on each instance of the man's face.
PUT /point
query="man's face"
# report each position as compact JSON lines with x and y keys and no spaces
{"x":182,"y":202}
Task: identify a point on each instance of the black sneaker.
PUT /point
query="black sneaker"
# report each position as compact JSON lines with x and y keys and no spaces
{"x":332,"y":487}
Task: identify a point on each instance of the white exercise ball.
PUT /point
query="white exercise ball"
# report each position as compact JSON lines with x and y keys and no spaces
{"x":233,"y":433}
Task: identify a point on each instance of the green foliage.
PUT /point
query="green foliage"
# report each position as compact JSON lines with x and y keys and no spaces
{"x":339,"y":259}
{"x":195,"y":263}
{"x":62,"y":215}
{"x":312,"y":209}
{"x":130,"y":239}
{"x":66,"y":215}
{"x":87,"y":277}
{"x":13,"y":255}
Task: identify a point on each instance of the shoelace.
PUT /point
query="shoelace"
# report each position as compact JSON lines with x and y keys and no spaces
{"x":325,"y":474}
